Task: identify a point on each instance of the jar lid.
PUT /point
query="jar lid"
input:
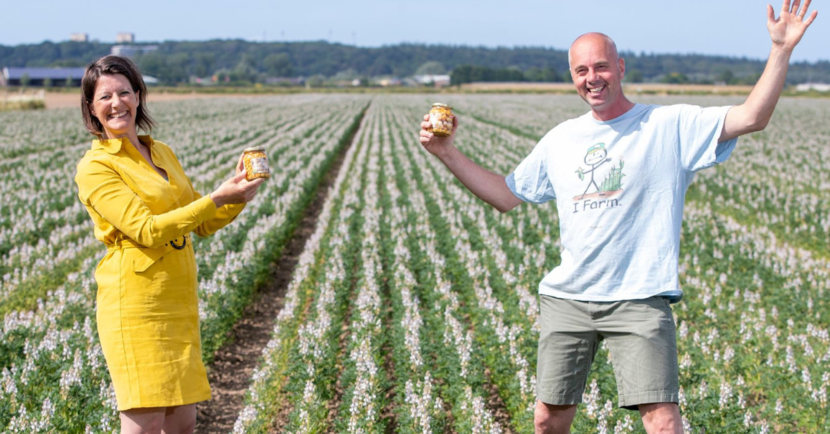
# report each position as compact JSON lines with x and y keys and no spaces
{"x":440,"y":104}
{"x":255,"y":149}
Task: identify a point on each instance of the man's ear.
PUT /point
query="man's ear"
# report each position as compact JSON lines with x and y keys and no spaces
{"x":622,"y":68}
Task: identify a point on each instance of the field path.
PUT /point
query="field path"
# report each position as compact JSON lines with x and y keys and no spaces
{"x":233,"y":364}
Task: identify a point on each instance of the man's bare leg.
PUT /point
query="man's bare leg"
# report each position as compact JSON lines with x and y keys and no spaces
{"x":553,"y":419}
{"x":661,"y":418}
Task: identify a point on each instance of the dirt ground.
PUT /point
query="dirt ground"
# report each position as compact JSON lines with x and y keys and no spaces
{"x":63,"y":100}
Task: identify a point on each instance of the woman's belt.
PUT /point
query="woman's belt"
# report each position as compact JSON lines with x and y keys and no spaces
{"x":126,"y":243}
{"x":148,"y":255}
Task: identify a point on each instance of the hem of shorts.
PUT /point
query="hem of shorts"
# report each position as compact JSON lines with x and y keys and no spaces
{"x":632,"y":400}
{"x":156,"y":404}
{"x":601,"y":299}
{"x":558,"y":398}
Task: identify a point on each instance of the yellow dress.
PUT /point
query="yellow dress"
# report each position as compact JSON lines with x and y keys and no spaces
{"x":147,"y":307}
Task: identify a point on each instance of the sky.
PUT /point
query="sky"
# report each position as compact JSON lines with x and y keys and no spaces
{"x":716,"y":27}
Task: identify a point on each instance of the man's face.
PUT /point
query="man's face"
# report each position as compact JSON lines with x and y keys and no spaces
{"x":597,"y":72}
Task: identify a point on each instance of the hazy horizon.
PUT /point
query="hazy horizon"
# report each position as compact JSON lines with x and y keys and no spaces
{"x":708,"y":27}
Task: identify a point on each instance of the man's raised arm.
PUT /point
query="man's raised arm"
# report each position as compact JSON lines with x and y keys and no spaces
{"x":785,"y":32}
{"x":488,"y":186}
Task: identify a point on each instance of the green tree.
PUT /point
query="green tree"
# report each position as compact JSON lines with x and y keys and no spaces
{"x":245,"y":70}
{"x":25,"y":80}
{"x":726,"y":77}
{"x":546,"y":74}
{"x":634,"y":76}
{"x":203,"y":64}
{"x":431,"y":67}
{"x":315,"y":81}
{"x":461,"y":74}
{"x":47,"y":82}
{"x":278,"y":65}
{"x":177,"y":68}
{"x":675,"y":78}
{"x":69,"y":82}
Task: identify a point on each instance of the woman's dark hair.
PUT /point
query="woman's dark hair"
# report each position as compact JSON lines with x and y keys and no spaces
{"x":113,"y":65}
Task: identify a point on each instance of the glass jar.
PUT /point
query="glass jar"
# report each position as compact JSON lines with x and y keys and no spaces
{"x":441,"y":119}
{"x":256,"y":163}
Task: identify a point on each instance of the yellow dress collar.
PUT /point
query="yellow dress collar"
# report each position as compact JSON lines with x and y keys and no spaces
{"x":112,"y":146}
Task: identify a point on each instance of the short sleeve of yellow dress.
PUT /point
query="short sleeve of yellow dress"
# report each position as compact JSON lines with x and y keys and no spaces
{"x":147,"y":307}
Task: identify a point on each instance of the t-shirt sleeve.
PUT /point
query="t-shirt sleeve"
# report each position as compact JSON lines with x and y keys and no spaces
{"x":530,"y":181}
{"x":700,"y":129}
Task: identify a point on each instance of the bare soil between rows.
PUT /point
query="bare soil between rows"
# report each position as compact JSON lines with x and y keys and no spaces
{"x":234,"y":364}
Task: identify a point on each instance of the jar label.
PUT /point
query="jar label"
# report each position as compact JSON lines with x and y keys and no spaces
{"x":259,"y":165}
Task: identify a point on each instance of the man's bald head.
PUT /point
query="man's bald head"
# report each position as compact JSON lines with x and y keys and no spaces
{"x":595,"y":38}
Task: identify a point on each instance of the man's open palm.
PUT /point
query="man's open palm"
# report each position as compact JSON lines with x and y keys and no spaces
{"x":788,"y":29}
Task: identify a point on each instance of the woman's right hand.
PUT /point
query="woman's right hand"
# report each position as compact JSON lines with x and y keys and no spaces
{"x":236,"y":190}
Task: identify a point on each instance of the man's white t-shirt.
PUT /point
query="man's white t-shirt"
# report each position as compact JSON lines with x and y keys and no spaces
{"x":619,"y":188}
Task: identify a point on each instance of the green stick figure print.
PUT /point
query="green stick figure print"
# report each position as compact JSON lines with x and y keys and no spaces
{"x":596,"y":157}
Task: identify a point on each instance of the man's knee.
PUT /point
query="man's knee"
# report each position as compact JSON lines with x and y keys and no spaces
{"x":661,"y":418}
{"x":553,"y":419}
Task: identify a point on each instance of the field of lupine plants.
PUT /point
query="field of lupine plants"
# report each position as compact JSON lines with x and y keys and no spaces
{"x":413,"y":307}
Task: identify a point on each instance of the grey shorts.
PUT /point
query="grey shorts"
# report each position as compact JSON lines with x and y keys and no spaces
{"x":640,"y":335}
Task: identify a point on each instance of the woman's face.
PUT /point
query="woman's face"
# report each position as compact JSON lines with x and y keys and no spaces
{"x":115,"y":104}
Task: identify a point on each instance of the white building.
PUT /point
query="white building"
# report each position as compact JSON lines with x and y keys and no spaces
{"x":79,"y":37}
{"x":125,"y":38}
{"x":436,"y":79}
{"x":821,"y":87}
{"x":131,"y":50}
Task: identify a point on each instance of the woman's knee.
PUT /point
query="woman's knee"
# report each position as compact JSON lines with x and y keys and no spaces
{"x":180,"y":420}
{"x":142,"y":421}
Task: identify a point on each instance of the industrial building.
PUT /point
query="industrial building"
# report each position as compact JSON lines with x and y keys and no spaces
{"x":59,"y":77}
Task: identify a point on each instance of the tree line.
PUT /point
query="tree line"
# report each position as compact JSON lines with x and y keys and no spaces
{"x":243,"y":62}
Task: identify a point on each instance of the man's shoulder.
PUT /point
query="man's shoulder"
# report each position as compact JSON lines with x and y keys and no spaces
{"x":566,"y":127}
{"x":674,"y":110}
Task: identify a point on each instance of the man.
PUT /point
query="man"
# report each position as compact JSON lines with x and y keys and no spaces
{"x":620,"y":229}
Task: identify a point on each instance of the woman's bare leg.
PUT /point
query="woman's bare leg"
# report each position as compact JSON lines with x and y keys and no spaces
{"x":180,"y":420}
{"x":143,"y":420}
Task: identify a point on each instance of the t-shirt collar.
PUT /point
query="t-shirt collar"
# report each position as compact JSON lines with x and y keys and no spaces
{"x":633,"y":111}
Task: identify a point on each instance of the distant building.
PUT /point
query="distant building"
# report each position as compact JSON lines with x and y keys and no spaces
{"x":79,"y":37}
{"x":821,"y":87}
{"x":131,"y":50}
{"x":292,"y":81}
{"x":125,"y":38}
{"x":12,"y":76}
{"x":393,"y":81}
{"x":436,"y":79}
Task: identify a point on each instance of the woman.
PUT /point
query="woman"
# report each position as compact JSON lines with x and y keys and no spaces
{"x":144,"y":208}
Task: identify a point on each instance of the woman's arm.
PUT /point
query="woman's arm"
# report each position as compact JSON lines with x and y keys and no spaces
{"x":102,"y":189}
